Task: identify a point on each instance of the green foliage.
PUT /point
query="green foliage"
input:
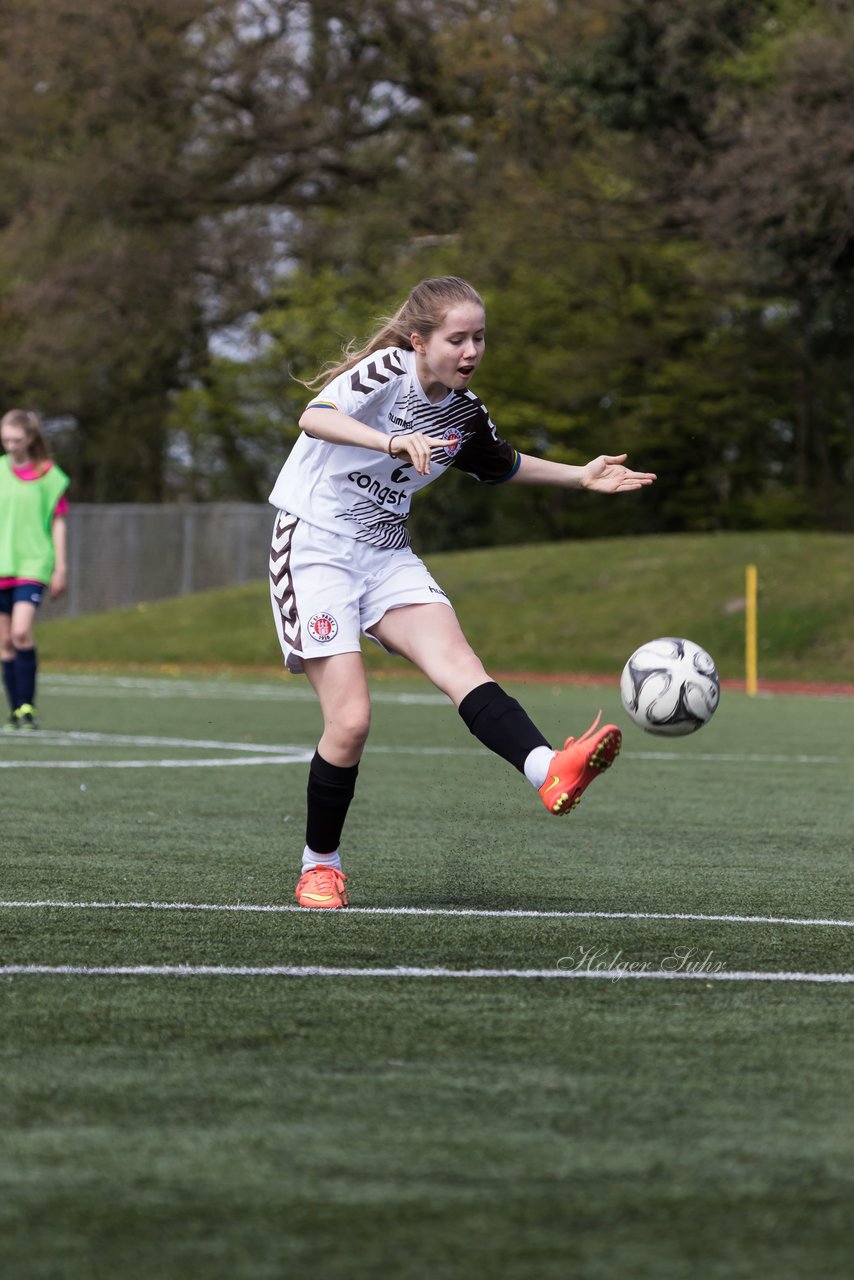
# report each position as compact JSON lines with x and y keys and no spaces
{"x":231,"y":430}
{"x":223,"y":431}
{"x":654,"y":198}
{"x":759,"y":165}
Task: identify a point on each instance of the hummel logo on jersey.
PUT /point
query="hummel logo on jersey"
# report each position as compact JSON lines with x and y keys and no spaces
{"x":399,"y":422}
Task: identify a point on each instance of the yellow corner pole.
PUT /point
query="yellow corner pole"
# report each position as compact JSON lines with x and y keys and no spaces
{"x":750,"y":683}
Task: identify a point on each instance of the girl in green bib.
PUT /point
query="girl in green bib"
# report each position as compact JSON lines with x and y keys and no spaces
{"x":33,"y":507}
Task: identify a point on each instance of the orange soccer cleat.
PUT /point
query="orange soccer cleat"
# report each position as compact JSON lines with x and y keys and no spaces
{"x":322,"y":887}
{"x":573,"y":769}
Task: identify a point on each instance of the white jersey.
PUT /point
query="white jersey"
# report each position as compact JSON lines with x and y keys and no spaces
{"x":366,"y":495}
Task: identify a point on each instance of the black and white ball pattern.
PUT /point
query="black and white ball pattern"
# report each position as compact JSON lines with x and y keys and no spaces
{"x":670,"y":686}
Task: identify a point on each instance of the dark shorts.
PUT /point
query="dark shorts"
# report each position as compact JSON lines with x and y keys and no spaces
{"x":24,"y":593}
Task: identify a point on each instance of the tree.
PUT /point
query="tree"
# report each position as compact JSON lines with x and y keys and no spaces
{"x":158,"y":159}
{"x":742,"y":116}
{"x":779,"y":188}
{"x":97,"y":296}
{"x":197,"y":197}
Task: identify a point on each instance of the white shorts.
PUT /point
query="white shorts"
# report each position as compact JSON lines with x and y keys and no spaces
{"x":327,"y":590}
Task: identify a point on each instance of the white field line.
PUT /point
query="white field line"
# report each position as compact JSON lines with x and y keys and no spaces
{"x":305,"y":755}
{"x":207,"y":763}
{"x":77,"y":738}
{"x":288,"y":689}
{"x":727,"y":757}
{"x":292,"y":753}
{"x":255,"y":753}
{"x":88,"y":686}
{"x":464,"y":912}
{"x":342,"y":971}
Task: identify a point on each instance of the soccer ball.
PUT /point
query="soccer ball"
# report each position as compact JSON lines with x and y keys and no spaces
{"x":670,"y":687}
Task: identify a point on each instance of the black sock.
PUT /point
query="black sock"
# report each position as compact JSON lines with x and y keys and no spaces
{"x":9,"y":682}
{"x":25,"y":676}
{"x":501,"y":724}
{"x":330,"y":790}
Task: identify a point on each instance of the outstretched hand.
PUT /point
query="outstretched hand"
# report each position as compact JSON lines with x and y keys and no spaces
{"x":417,"y":448}
{"x":608,"y":475}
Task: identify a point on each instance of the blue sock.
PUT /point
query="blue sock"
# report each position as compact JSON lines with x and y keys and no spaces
{"x":9,"y":682}
{"x":25,"y":676}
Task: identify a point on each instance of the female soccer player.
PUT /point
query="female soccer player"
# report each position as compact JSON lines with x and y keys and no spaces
{"x":387,"y":422}
{"x":33,"y":507}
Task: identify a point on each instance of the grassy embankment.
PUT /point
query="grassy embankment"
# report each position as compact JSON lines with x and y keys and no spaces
{"x":555,"y":609}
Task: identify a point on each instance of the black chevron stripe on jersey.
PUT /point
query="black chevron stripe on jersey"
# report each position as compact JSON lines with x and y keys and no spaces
{"x":281,"y":580}
{"x":372,"y":372}
{"x":394,"y":365}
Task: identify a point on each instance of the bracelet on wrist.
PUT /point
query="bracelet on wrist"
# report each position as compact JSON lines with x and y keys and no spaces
{"x":390,"y":454}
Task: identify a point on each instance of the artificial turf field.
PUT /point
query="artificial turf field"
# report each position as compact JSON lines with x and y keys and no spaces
{"x":590,"y":1047}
